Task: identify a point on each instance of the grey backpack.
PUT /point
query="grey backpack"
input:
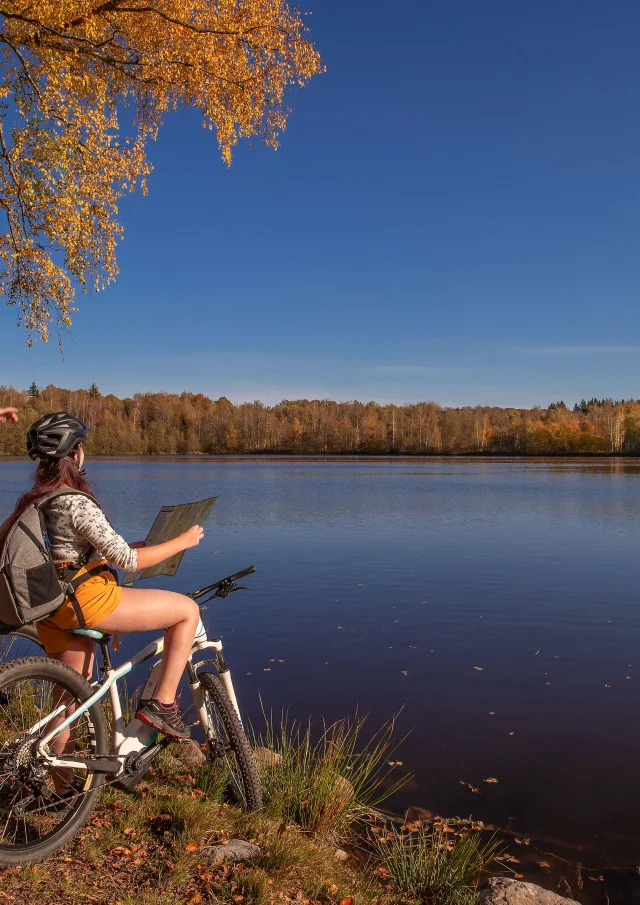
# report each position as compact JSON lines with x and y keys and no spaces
{"x":30,"y":588}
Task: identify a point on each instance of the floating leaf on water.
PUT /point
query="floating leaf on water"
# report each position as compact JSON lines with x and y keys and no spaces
{"x":479,"y":668}
{"x":607,"y":685}
{"x":492,"y":713}
{"x":468,"y":785}
{"x":405,"y":672}
{"x":491,"y":779}
{"x":544,"y":864}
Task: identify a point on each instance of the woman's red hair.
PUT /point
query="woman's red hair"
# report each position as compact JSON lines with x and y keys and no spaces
{"x":50,"y":475}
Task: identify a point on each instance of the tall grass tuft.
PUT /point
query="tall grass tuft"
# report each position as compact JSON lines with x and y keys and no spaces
{"x":328,"y":780}
{"x":431,"y":867}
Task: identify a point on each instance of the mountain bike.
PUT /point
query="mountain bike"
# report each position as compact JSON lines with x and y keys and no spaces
{"x":53,"y":727}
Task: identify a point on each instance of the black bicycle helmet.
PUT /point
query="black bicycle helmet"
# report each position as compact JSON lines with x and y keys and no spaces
{"x":55,"y":436}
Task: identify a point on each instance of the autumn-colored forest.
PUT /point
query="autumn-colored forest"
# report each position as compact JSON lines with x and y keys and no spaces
{"x":190,"y":423}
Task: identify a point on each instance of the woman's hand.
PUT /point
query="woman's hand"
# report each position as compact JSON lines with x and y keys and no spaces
{"x":191,"y":537}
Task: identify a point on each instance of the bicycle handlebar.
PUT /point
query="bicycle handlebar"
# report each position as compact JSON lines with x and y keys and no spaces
{"x":224,"y":583}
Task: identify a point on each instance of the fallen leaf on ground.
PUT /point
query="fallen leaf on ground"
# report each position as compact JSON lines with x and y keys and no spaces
{"x":332,"y":889}
{"x":191,"y":847}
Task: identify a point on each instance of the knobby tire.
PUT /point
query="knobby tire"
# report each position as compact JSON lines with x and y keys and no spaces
{"x":216,"y":697}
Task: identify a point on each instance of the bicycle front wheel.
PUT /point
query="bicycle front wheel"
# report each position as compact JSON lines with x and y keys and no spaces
{"x":42,"y":808}
{"x":229,"y":744}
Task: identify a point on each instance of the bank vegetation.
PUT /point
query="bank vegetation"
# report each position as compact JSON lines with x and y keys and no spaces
{"x":193,"y":424}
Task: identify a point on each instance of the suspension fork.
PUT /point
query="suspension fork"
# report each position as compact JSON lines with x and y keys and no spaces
{"x":225,"y":677}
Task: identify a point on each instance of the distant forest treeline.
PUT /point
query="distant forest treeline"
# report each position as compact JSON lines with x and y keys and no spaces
{"x":190,"y":423}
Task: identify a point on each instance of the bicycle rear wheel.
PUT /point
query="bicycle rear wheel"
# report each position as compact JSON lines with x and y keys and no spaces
{"x":21,"y":642}
{"x":228,"y":744}
{"x":37,"y":818}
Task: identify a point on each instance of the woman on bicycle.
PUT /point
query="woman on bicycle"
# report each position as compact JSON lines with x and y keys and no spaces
{"x":81,"y":542}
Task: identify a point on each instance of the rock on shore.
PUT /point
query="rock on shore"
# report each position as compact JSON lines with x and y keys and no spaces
{"x":503,"y":891}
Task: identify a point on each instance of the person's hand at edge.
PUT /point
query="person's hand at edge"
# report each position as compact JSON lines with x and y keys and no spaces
{"x":9,"y":414}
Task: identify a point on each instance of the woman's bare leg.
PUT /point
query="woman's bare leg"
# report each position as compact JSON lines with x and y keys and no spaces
{"x":145,"y":610}
{"x":78,"y":656}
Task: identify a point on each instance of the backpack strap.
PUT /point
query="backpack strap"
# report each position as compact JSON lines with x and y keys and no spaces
{"x":73,"y":581}
{"x":33,"y":538}
{"x":64,"y":491}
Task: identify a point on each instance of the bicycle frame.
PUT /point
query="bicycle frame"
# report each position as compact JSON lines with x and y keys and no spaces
{"x":135,"y":737}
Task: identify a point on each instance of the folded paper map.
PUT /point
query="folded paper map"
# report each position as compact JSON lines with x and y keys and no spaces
{"x":170,"y":522}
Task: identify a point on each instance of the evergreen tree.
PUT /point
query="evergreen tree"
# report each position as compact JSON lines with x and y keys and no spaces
{"x":33,"y":391}
{"x":93,"y":391}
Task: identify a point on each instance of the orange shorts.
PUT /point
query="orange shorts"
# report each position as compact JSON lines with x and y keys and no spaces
{"x":98,"y":597}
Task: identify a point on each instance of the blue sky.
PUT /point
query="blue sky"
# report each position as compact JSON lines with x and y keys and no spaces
{"x":452,"y":215}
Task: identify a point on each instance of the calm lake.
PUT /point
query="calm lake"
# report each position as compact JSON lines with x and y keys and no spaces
{"x":494,"y":602}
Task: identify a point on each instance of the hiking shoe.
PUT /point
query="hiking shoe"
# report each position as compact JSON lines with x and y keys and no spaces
{"x":163,"y":717}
